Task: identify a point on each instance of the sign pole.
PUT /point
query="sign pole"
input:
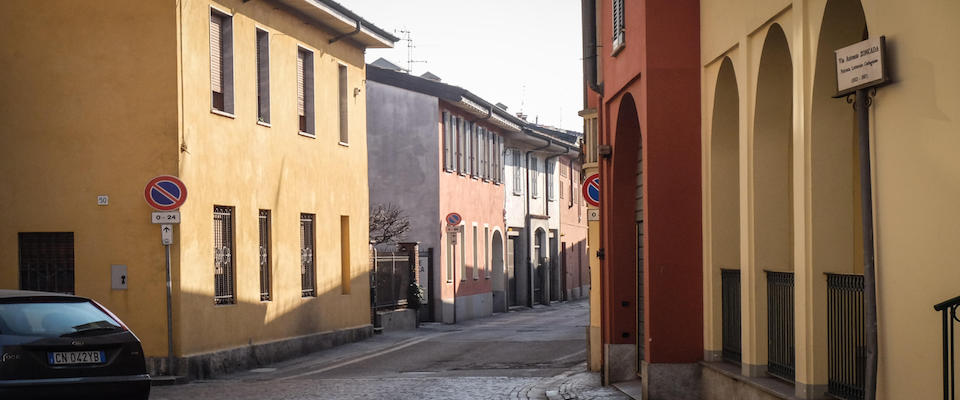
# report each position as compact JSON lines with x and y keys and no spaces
{"x":169,"y":315}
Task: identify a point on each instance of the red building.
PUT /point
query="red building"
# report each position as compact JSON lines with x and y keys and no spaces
{"x":642,"y":93}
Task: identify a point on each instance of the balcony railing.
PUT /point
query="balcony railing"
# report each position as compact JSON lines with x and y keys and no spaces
{"x":730,"y":314}
{"x":780,"y":335}
{"x":845,"y":347}
{"x":948,"y":312}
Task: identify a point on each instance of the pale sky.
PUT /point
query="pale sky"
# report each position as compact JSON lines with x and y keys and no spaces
{"x":525,"y":54}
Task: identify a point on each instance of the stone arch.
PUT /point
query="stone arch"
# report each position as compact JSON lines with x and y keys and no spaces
{"x":724,"y":205}
{"x":772,"y":188}
{"x":834,"y":222}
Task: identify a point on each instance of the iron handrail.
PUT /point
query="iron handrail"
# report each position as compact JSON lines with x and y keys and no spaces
{"x":948,"y":310}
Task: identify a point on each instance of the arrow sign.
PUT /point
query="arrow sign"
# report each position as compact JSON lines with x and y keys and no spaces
{"x":166,"y":234}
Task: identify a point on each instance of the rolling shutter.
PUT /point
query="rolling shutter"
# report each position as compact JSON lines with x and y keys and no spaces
{"x":216,"y":53}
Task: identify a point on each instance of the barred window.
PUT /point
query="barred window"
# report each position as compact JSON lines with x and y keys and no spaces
{"x":46,"y":261}
{"x":264,"y":222}
{"x":307,"y":281}
{"x":223,"y":255}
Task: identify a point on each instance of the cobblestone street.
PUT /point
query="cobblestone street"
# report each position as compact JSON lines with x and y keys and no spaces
{"x":529,"y":354}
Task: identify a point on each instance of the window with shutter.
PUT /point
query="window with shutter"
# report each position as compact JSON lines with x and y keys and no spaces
{"x":534,"y":166}
{"x":551,"y":167}
{"x":469,"y":148}
{"x":305,"y":107}
{"x":343,"y":103}
{"x":461,"y":139}
{"x":263,"y":76}
{"x":517,"y":172}
{"x":446,"y":141}
{"x":221,"y":61}
{"x":481,"y":152}
{"x":618,"y":24}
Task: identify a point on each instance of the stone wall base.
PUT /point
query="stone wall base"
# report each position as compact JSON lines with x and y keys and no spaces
{"x":207,"y":365}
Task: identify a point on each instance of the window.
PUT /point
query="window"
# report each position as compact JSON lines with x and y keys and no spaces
{"x":221,"y":61}
{"x":345,"y":254}
{"x":264,"y":222}
{"x":486,"y":252}
{"x":342,"y":103}
{"x":551,"y":166}
{"x":448,"y":142}
{"x":618,"y":24}
{"x":482,"y":153}
{"x":517,"y":172}
{"x":471,"y":148}
{"x":46,"y":261}
{"x":497,"y":151}
{"x":307,"y":281}
{"x":263,"y":76}
{"x":451,"y":248}
{"x":223,"y":255}
{"x":534,"y":177}
{"x":459,"y":126}
{"x":463,"y":253}
{"x":305,"y":108}
{"x":476,"y":265}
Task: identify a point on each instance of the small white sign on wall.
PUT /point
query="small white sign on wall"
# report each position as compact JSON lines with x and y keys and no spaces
{"x":861,"y":65}
{"x":118,"y":277}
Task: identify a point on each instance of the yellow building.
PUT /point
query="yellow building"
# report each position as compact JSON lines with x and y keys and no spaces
{"x":782,"y":230}
{"x":258,"y":106}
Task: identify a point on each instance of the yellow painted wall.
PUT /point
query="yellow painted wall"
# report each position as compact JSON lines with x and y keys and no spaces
{"x":913,"y":126}
{"x":237,"y":162}
{"x":89,"y":107}
{"x":99,"y":97}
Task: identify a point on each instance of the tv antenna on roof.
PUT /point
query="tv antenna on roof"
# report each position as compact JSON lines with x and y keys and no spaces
{"x":410,"y":61}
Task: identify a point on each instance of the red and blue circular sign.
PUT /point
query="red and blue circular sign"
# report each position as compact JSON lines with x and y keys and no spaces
{"x":591,"y":190}
{"x":165,"y":193}
{"x":453,"y":218}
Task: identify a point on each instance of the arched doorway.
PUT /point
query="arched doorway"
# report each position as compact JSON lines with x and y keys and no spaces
{"x":496,"y":265}
{"x":724,"y":215}
{"x":625,"y":244}
{"x":835,"y":227}
{"x":772,"y":189}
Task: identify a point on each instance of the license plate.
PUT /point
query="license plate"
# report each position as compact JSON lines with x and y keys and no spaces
{"x":76,"y":357}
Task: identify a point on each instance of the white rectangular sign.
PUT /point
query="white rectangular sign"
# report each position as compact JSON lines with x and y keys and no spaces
{"x":165,"y":217}
{"x":166,"y":234}
{"x":860,"y":65}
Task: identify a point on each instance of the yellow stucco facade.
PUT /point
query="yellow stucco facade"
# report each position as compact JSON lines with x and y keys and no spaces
{"x":99,"y":97}
{"x":781,"y":178}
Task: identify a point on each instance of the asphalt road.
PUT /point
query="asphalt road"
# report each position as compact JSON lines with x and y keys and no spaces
{"x":535,"y":354}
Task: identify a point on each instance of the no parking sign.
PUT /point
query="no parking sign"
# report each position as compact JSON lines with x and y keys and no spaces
{"x":165,"y":193}
{"x":591,"y":190}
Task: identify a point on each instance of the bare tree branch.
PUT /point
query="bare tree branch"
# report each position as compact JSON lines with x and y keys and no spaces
{"x":388,"y":223}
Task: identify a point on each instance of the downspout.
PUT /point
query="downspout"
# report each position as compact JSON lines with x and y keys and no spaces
{"x":343,"y":35}
{"x":589,"y":26}
{"x":526,"y":222}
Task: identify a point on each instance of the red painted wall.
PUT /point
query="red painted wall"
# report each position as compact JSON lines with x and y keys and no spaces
{"x":657,"y":72}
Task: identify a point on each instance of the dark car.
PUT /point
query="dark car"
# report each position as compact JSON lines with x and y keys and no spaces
{"x":67,"y":347}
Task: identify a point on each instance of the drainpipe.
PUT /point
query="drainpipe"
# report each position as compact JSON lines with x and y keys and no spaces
{"x":526,"y":222}
{"x":589,"y":25}
{"x":343,"y":35}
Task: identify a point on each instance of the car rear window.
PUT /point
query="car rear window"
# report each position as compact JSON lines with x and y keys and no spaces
{"x":54,"y":318}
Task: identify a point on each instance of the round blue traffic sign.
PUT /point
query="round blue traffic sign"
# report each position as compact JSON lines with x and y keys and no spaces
{"x":165,"y":193}
{"x":453,"y":218}
{"x":591,"y":190}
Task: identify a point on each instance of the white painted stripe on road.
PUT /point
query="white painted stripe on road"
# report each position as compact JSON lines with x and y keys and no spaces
{"x":366,"y":357}
{"x":569,"y":356}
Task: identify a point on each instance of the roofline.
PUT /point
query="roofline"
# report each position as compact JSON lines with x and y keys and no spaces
{"x":349,"y":17}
